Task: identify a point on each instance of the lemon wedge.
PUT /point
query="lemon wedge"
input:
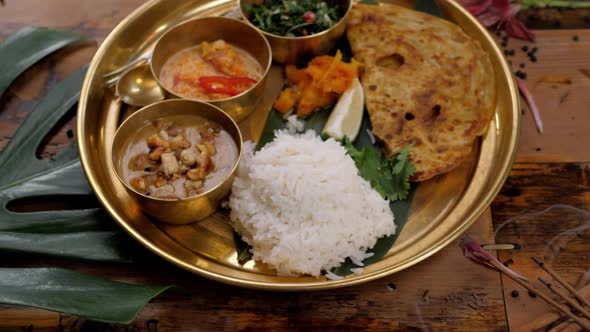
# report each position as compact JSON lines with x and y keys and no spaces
{"x":347,"y":115}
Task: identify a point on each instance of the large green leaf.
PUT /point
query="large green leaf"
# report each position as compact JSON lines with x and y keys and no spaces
{"x":75,"y":293}
{"x":82,"y":234}
{"x":75,"y":234}
{"x":18,"y":160}
{"x":28,"y":46}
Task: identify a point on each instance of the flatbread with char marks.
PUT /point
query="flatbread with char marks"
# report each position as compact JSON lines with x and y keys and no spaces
{"x":425,"y":81}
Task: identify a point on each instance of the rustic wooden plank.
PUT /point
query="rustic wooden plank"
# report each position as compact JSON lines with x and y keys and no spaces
{"x":554,"y":236}
{"x":12,"y":317}
{"x":445,"y":292}
{"x":564,"y":107}
{"x":556,"y":18}
{"x":88,"y":17}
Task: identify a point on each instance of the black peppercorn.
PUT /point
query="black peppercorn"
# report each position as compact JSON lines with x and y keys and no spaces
{"x":520,"y":74}
{"x":514,"y":293}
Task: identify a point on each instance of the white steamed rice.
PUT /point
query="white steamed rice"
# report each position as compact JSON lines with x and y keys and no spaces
{"x":301,"y":205}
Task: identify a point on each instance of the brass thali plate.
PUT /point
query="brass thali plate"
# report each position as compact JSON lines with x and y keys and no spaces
{"x":443,"y":207}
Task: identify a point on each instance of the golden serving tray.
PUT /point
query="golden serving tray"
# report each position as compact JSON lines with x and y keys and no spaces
{"x":443,"y":208}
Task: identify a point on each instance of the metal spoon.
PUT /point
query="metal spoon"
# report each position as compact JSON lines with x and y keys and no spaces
{"x":138,"y":87}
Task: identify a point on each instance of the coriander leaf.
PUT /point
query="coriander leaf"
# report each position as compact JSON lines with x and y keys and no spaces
{"x":397,"y":172}
{"x":389,"y":177}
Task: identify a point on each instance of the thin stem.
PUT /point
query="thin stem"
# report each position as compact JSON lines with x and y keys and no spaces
{"x":584,"y":323}
{"x":564,"y":283}
{"x":567,"y":299}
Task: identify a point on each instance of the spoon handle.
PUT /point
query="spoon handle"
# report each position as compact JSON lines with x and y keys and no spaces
{"x":142,"y":58}
{"x":234,"y":13}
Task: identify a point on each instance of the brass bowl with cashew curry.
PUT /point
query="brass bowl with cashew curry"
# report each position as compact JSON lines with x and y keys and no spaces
{"x":177,"y":158}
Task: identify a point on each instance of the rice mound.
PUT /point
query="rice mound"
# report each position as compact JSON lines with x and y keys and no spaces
{"x":301,"y":205}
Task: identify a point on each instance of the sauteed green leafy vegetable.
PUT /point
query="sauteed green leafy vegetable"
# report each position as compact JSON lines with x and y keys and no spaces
{"x":293,"y":18}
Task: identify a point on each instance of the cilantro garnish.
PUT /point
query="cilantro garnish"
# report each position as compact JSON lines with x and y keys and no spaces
{"x":389,"y":177}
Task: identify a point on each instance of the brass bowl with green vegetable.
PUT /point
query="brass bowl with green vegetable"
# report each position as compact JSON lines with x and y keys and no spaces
{"x":298,"y":30}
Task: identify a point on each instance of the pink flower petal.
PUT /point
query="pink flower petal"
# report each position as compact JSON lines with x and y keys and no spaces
{"x":502,"y":6}
{"x":528,"y":97}
{"x":473,"y":251}
{"x":500,"y":12}
{"x":488,"y":19}
{"x":477,"y":7}
{"x":517,"y":29}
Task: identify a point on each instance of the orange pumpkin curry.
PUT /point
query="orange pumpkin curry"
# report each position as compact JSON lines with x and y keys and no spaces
{"x":318,"y":85}
{"x":178,"y":157}
{"x":210,"y":71}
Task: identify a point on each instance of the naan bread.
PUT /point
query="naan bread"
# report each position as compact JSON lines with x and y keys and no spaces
{"x":425,"y":82}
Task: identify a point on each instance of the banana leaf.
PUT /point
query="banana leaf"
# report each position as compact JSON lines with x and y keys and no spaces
{"x":28,"y":46}
{"x":428,"y":6}
{"x":75,"y":293}
{"x":316,"y":122}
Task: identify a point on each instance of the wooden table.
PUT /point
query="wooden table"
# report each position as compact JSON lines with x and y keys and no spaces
{"x":446,"y":292}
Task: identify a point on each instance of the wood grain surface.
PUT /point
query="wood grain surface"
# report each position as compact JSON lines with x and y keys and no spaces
{"x":543,"y":208}
{"x":446,"y":292}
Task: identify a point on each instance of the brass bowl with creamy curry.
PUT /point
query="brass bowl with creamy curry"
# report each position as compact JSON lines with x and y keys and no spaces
{"x":177,"y":158}
{"x":218,"y":60}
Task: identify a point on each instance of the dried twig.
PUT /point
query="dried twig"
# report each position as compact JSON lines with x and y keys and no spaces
{"x":473,"y":251}
{"x":560,"y":307}
{"x":566,"y":298}
{"x":528,"y":97}
{"x":548,"y":318}
{"x":564,"y":283}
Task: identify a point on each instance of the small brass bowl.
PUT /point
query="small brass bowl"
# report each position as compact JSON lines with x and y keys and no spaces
{"x":292,"y":50}
{"x":179,"y":211}
{"x":192,"y":32}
